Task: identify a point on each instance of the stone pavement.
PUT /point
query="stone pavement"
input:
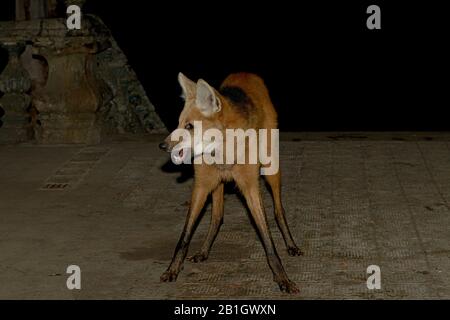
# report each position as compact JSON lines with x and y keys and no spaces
{"x":117,"y":210}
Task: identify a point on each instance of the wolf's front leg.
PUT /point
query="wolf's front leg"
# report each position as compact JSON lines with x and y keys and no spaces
{"x":198,"y":200}
{"x":214,"y":226}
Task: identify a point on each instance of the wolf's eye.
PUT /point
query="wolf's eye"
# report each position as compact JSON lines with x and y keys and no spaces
{"x":189,"y":126}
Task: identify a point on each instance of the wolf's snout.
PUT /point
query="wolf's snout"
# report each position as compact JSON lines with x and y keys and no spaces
{"x":163,"y":146}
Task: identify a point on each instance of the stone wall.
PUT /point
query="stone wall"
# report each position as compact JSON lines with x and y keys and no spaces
{"x":127,"y":108}
{"x":64,"y":86}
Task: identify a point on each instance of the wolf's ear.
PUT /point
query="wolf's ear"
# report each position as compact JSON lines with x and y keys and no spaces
{"x":207,"y":100}
{"x":187,"y":85}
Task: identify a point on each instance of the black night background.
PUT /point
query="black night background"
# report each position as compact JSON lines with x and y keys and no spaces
{"x":325,"y":70}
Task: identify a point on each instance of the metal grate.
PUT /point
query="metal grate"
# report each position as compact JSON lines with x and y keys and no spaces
{"x":55,"y":186}
{"x":72,"y":173}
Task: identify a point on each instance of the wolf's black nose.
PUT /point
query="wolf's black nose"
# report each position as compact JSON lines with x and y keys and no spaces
{"x":163,"y":146}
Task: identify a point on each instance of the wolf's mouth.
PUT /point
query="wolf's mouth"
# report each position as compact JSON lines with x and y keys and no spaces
{"x":179,"y":155}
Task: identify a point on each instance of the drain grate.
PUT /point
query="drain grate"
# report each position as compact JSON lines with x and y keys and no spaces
{"x":73,"y":171}
{"x":55,"y":186}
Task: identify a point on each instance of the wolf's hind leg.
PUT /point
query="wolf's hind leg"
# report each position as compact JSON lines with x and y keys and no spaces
{"x":214,"y":226}
{"x":250,"y":189}
{"x":274,"y":182}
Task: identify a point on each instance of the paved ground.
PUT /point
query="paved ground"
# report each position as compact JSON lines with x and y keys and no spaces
{"x":117,"y":210}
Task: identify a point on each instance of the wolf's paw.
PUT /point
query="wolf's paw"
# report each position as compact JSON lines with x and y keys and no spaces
{"x":198,"y":257}
{"x":294,"y":251}
{"x":169,"y":276}
{"x":288,"y":286}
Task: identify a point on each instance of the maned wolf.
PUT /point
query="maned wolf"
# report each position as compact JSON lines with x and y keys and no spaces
{"x":242,"y":102}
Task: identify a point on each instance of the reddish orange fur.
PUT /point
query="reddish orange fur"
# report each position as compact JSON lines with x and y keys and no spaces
{"x":209,"y":178}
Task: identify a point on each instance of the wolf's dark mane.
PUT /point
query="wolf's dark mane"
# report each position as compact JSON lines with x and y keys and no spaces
{"x":237,"y":97}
